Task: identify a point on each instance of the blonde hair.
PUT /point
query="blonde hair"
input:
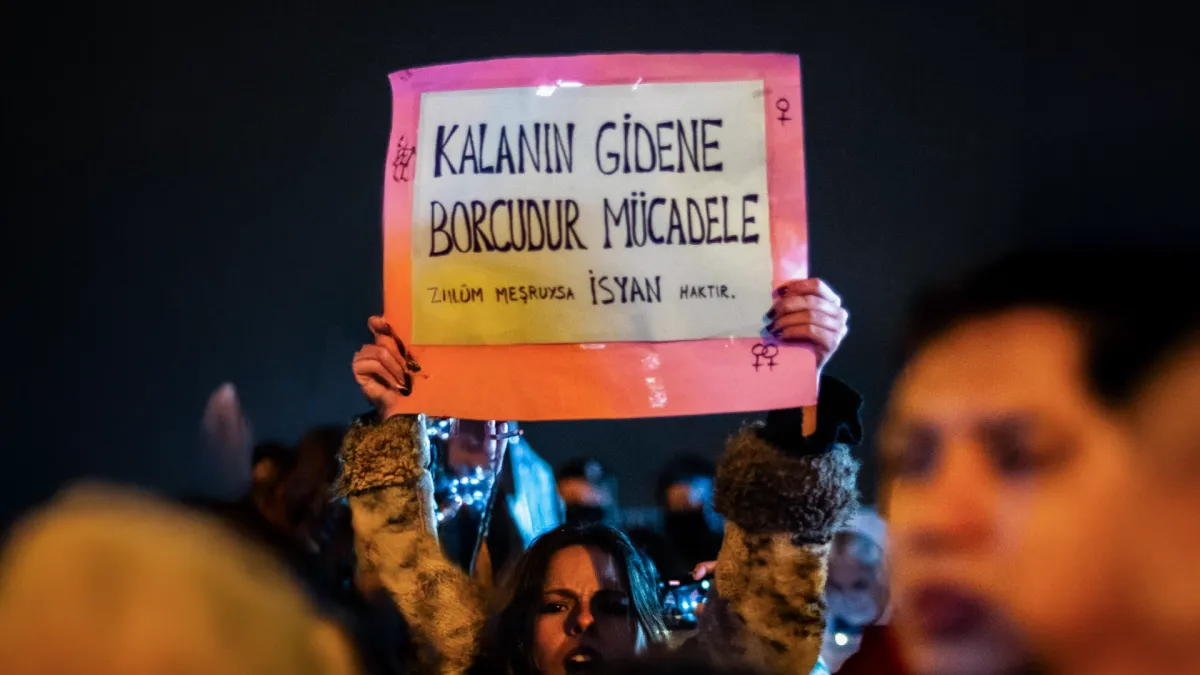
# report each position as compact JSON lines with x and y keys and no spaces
{"x":112,"y":582}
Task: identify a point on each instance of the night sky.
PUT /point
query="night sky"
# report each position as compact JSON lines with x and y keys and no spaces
{"x":201,"y":193}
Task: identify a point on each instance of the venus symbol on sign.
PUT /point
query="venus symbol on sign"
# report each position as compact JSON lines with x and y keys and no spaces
{"x":762,"y":351}
{"x":783,"y":107}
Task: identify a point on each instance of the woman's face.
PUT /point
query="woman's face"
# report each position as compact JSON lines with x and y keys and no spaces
{"x":1006,"y":481}
{"x":586,"y":617}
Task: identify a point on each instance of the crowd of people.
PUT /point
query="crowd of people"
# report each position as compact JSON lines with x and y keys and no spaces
{"x":1041,"y":477}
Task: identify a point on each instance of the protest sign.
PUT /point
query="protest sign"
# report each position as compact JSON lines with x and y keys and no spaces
{"x":596,"y":236}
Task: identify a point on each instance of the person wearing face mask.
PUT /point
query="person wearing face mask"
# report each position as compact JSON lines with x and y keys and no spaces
{"x":691,"y":530}
{"x":588,"y":492}
{"x":784,"y":487}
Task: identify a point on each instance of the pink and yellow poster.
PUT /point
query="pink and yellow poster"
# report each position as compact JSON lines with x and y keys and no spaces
{"x":596,"y":236}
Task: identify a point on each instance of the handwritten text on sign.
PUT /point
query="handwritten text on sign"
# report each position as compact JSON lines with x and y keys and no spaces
{"x":590,"y":214}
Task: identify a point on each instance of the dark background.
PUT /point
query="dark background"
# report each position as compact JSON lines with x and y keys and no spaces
{"x":199,"y":193}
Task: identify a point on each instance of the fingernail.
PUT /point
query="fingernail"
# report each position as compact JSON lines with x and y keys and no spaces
{"x":413,"y":366}
{"x":771,"y":314}
{"x":781,"y":291}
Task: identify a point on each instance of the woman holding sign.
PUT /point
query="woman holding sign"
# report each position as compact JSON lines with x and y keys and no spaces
{"x":580,"y":598}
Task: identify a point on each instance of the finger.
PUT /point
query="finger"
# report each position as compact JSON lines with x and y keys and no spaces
{"x":387,"y":357}
{"x":789,"y":304}
{"x":704,"y":569}
{"x":822,"y":338}
{"x":807,"y":316}
{"x":823,"y":290}
{"x":386,"y":337}
{"x":373,"y":377}
{"x":366,"y":366}
{"x":812,"y":286}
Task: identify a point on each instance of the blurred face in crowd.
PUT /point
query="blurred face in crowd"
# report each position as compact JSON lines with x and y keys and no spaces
{"x":689,"y":495}
{"x":581,"y":492}
{"x":586,"y":615}
{"x":295,"y":501}
{"x":1164,"y":527}
{"x":1006,"y":477}
{"x":855,"y":587}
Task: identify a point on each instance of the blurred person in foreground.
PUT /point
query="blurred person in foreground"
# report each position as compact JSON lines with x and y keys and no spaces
{"x":107,"y":581}
{"x":1153,"y":378}
{"x":1008,"y":475}
{"x":784,"y":487}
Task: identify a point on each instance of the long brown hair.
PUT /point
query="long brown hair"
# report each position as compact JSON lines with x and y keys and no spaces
{"x":508,"y":636}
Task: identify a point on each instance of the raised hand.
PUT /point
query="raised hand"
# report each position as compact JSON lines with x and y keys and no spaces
{"x":384,"y":370}
{"x":808,"y":310}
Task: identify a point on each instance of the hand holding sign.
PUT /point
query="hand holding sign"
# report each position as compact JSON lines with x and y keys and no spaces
{"x":384,"y":369}
{"x":808,"y":310}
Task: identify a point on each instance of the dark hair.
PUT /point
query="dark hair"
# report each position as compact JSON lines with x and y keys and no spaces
{"x":324,"y":442}
{"x":278,"y":453}
{"x":681,"y":469}
{"x":587,"y":468}
{"x":508,"y":636}
{"x":1131,"y":304}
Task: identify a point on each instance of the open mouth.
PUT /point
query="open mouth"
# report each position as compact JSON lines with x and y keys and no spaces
{"x":949,"y":613}
{"x":582,"y":660}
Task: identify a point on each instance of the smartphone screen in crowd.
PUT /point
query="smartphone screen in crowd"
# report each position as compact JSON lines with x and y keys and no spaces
{"x":682,"y":602}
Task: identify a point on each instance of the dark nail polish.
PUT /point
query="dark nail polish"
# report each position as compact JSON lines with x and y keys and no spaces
{"x":771,"y":314}
{"x":781,"y":291}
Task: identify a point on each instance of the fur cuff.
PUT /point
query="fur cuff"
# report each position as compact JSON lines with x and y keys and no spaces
{"x":394,"y":452}
{"x":765,"y":490}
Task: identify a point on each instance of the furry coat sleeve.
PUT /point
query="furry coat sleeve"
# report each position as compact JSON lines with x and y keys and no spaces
{"x":386,"y":478}
{"x":783,"y":496}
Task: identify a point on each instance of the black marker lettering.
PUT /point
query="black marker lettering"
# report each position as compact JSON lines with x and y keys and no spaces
{"x":616,"y":158}
{"x":468,"y":143}
{"x":492,"y":224}
{"x":572,"y":213}
{"x":439,"y":225}
{"x":748,"y":238}
{"x":657,"y":201}
{"x":704,"y":125}
{"x":466,"y":217}
{"x":663,"y":147}
{"x":503,"y":153}
{"x":691,"y":149}
{"x":523,"y":148}
{"x":440,"y":151}
{"x":710,"y":202}
{"x":484,"y":168}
